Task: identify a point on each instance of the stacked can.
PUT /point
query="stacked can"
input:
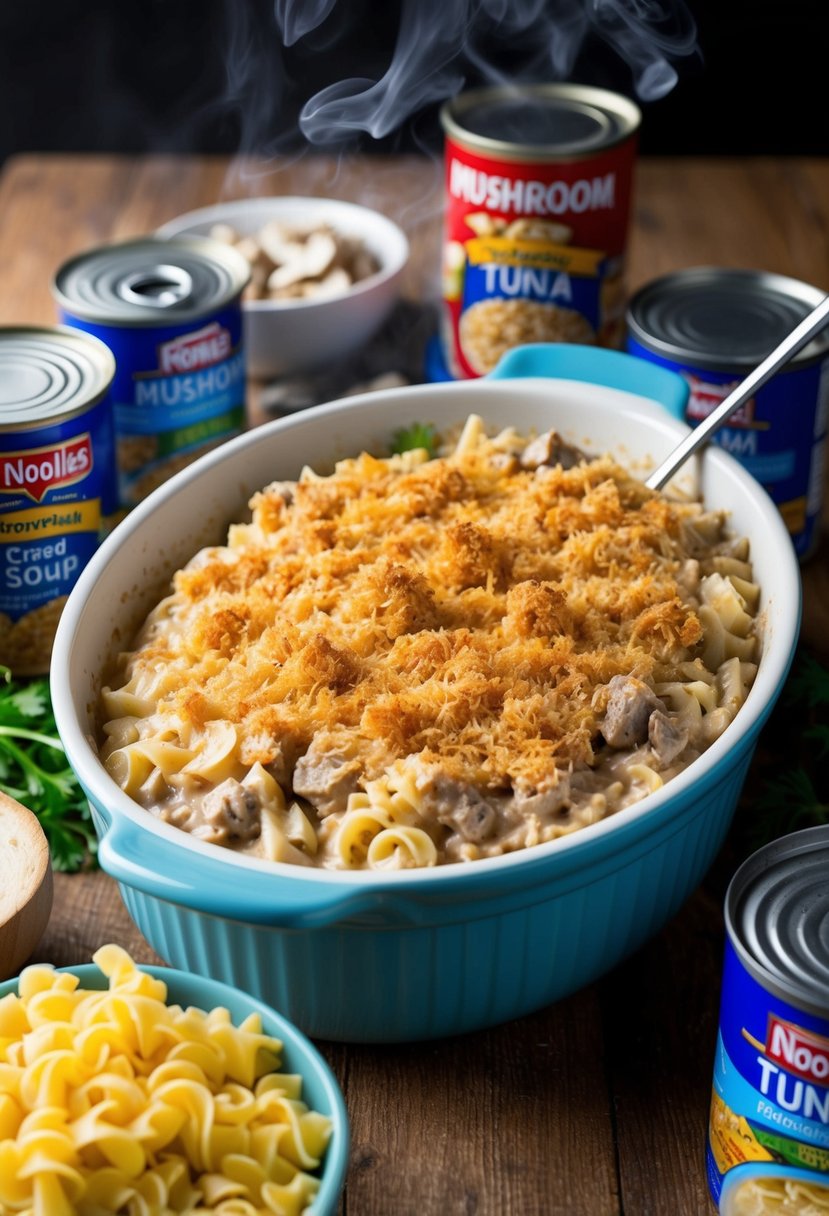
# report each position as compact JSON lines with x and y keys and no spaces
{"x":768,"y":1141}
{"x":170,"y":311}
{"x":714,"y":326}
{"x":538,"y":189}
{"x":58,"y":484}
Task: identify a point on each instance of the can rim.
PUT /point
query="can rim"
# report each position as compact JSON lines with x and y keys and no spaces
{"x":814,"y":352}
{"x":91,"y":395}
{"x":215,"y":252}
{"x":795,"y":844}
{"x":616,"y":105}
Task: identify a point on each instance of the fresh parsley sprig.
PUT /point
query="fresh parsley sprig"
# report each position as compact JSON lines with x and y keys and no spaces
{"x":34,"y":770}
{"x":418,"y":435}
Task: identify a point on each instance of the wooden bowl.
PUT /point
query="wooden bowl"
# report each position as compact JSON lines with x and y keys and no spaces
{"x":25,"y":884}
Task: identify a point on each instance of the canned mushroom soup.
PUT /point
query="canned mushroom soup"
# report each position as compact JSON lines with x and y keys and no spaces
{"x":768,"y":1141}
{"x":538,"y":188}
{"x":170,"y":310}
{"x":714,"y":326}
{"x":58,"y":483}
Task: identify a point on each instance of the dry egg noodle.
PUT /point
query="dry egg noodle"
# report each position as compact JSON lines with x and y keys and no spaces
{"x":113,"y":1101}
{"x":416,"y":661}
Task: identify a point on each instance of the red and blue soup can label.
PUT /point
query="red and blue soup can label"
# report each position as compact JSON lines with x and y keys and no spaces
{"x":171,"y":313}
{"x":713,"y":327}
{"x":58,"y":480}
{"x":768,"y":1140}
{"x":538,"y":191}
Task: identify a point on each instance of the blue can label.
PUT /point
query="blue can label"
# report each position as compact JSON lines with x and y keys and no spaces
{"x":779,"y":436}
{"x":57,"y":488}
{"x":177,"y":392}
{"x":769,"y":1126}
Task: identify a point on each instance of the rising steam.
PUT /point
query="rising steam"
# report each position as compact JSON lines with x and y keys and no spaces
{"x":439,"y":44}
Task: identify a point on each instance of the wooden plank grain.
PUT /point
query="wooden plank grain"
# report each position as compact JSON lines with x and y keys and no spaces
{"x":759,"y":213}
{"x":660,"y":1013}
{"x":88,"y":912}
{"x":512,"y":1120}
{"x":51,"y":208}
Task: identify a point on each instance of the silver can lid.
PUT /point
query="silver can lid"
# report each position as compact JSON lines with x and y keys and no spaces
{"x":151,"y":281}
{"x":777,"y":917}
{"x":546,"y":121}
{"x":50,"y":374}
{"x":723,"y":319}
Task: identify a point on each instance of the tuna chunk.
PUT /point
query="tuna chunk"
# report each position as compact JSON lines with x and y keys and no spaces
{"x":544,"y":803}
{"x":666,"y":736}
{"x":284,"y":490}
{"x":550,"y":449}
{"x":461,"y":807}
{"x":231,"y":814}
{"x":629,"y":708}
{"x":326,"y":777}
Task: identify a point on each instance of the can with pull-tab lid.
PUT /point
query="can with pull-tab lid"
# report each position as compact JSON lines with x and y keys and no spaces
{"x":170,"y":311}
{"x":714,"y":326}
{"x":768,"y":1138}
{"x":58,"y":481}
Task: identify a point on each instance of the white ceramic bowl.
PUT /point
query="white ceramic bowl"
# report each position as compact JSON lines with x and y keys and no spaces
{"x":431,"y":952}
{"x":284,"y":337}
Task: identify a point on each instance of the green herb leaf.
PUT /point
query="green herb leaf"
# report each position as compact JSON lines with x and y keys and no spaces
{"x":418,"y":435}
{"x":34,"y":771}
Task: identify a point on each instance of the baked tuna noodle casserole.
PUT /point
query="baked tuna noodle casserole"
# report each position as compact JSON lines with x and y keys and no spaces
{"x":418,"y":661}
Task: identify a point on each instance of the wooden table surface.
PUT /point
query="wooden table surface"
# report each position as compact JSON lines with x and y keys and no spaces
{"x":597,"y":1105}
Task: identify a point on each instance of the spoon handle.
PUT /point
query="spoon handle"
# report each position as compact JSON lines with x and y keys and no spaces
{"x":787,"y":349}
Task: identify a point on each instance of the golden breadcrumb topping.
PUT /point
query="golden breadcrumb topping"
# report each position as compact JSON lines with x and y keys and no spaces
{"x":466,"y":609}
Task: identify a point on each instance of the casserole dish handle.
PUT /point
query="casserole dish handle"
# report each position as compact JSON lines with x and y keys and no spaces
{"x":152,"y":865}
{"x":596,"y":365}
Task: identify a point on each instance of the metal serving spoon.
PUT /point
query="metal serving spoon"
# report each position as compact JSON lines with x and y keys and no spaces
{"x":787,"y":349}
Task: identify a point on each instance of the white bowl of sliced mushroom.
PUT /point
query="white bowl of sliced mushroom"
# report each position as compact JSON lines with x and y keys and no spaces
{"x":324,"y":275}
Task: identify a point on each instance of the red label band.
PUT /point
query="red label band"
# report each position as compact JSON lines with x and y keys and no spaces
{"x":206,"y":346}
{"x":798,"y":1051}
{"x":35,"y":472}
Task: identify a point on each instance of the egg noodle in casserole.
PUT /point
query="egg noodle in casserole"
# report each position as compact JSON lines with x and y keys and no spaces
{"x":416,"y":661}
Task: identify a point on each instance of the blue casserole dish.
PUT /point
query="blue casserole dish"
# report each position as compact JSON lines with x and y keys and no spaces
{"x":427,"y":953}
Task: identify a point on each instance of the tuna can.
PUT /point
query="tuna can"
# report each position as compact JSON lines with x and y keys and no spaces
{"x":714,"y":326}
{"x":171,"y":312}
{"x":768,"y":1140}
{"x":58,"y":483}
{"x":538,"y":189}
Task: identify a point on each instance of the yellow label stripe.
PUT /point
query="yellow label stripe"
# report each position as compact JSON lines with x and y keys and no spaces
{"x":55,"y":520}
{"x":537,"y":255}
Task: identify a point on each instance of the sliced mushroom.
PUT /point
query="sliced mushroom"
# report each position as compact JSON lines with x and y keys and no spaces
{"x":275,"y":240}
{"x":333,"y":284}
{"x":307,"y":261}
{"x":225,"y":233}
{"x":294,"y":262}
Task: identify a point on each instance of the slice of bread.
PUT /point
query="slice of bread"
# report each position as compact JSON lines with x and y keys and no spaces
{"x":25,"y":884}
